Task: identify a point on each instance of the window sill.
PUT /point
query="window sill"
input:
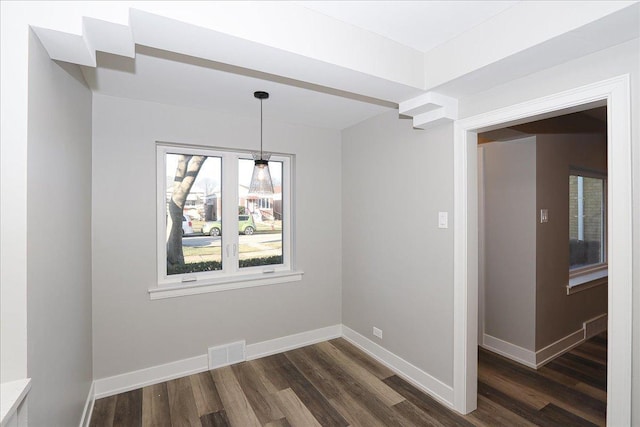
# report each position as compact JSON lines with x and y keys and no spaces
{"x":588,"y":281}
{"x":224,"y":284}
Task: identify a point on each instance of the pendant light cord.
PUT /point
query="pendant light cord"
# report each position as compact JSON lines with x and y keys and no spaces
{"x":261,"y":96}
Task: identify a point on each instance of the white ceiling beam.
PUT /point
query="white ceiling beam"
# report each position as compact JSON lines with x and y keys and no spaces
{"x":97,"y":35}
{"x":292,"y":28}
{"x":109,"y":37}
{"x":176,"y":36}
{"x":430,"y":109}
{"x":307,"y":48}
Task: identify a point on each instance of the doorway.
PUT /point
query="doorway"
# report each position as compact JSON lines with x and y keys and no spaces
{"x":542,"y":236}
{"x":615,"y":94}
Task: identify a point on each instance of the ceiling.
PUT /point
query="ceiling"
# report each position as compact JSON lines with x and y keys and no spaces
{"x":593,"y":120}
{"x":168,"y":78}
{"x":421,"y":25}
{"x":164,"y":77}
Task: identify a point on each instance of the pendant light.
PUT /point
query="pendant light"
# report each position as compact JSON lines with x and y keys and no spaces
{"x":261,"y":179}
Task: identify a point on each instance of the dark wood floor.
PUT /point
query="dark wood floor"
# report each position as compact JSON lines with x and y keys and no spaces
{"x":335,"y":384}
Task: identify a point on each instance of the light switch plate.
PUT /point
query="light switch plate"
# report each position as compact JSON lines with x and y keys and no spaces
{"x":443,"y":220}
{"x":544,"y":216}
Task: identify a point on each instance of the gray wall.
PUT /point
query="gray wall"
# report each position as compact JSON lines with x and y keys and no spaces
{"x":510,"y":241}
{"x":397,"y":264}
{"x":404,"y":285}
{"x":608,"y":63}
{"x":130,"y":331}
{"x":58,"y":213}
{"x":559,"y":314}
{"x":527,"y":262}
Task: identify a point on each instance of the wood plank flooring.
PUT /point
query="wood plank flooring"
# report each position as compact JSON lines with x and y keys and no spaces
{"x":335,"y":384}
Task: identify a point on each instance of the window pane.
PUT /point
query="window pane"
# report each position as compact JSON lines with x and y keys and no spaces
{"x":193,"y":197}
{"x":586,"y":221}
{"x":259,"y":218}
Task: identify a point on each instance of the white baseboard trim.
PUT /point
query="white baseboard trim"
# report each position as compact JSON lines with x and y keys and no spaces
{"x":128,"y":381}
{"x":596,"y":325}
{"x":550,"y":352}
{"x":290,"y":342}
{"x":537,"y":359}
{"x":88,"y":406}
{"x":510,"y":351}
{"x":148,"y":376}
{"x":416,"y":376}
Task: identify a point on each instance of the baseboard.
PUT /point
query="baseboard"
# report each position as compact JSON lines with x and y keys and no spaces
{"x":149,"y":376}
{"x":593,"y":327}
{"x":550,"y":352}
{"x":510,"y":351}
{"x":88,"y":406}
{"x":290,"y":342}
{"x":530,"y":358}
{"x":156,"y":374}
{"x":416,"y":376}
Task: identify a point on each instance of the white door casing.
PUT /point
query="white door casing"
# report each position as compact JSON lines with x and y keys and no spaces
{"x":615,"y":92}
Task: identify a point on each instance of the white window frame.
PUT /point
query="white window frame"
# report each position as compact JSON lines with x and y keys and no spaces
{"x":583,"y":278}
{"x":231,"y":276}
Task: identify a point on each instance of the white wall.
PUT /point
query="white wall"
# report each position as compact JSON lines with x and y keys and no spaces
{"x":510,"y":235}
{"x":58,"y":240}
{"x":397,"y":264}
{"x":130,"y":331}
{"x":615,"y":61}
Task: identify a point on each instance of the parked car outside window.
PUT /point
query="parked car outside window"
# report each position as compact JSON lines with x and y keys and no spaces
{"x":246,"y":225}
{"x":186,"y":226}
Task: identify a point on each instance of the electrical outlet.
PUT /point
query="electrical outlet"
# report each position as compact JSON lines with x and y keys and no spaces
{"x":377,"y":332}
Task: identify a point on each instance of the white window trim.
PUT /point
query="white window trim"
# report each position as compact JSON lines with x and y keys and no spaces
{"x":231,"y":277}
{"x":225,"y":284}
{"x":590,"y":276}
{"x":588,"y":279}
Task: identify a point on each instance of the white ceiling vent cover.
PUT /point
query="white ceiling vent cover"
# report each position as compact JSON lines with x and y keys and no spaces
{"x":227,"y":354}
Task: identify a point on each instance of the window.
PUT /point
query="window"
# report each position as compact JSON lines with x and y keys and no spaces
{"x":587,"y":227}
{"x":212,"y":233}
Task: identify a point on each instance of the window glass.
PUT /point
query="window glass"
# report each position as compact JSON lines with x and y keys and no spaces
{"x":210,"y":229}
{"x":261,"y":216}
{"x":193,"y":195}
{"x":586,"y":221}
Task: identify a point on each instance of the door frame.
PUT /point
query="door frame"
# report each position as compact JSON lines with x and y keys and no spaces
{"x":615,"y":92}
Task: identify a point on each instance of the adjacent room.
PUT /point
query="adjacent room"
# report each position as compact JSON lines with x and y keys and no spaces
{"x":320,"y":213}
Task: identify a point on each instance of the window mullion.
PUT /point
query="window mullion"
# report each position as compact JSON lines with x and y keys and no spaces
{"x":288,"y":215}
{"x":230,"y":242}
